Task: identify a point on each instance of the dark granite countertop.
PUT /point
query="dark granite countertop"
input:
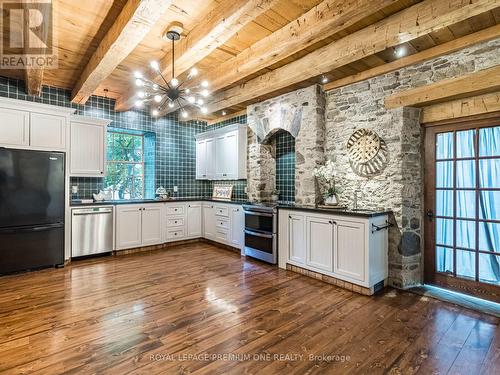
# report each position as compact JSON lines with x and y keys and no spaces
{"x":288,"y":206}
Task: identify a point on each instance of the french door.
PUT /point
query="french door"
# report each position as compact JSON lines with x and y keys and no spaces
{"x":462,"y":204}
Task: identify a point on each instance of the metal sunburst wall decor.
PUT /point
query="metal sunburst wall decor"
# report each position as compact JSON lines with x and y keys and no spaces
{"x":368,"y":153}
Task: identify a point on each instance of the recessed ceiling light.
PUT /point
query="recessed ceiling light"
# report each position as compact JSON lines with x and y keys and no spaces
{"x":324,"y":79}
{"x":400,"y":51}
{"x":224,"y":113}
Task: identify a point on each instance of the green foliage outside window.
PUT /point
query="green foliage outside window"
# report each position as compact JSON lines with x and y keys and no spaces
{"x":125,"y":165}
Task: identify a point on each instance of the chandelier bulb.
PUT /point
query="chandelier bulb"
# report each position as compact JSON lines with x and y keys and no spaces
{"x":200,"y":101}
{"x":174,"y":82}
{"x":137,"y":74}
{"x":184,"y":114}
{"x":187,"y":91}
{"x":155,"y":87}
{"x":171,"y":105}
{"x":157,"y":98}
{"x":204,"y":110}
{"x":155,"y":112}
{"x":141,"y":94}
{"x":205,"y":93}
{"x":154,"y":65}
{"x":204,"y":83}
{"x":139,"y":82}
{"x":193,"y":72}
{"x":191,"y":99}
{"x":139,"y":103}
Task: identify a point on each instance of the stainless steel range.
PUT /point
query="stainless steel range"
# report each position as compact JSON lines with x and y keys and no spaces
{"x":261,"y":231}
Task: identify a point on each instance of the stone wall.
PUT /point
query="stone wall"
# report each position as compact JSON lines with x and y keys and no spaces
{"x":301,"y":113}
{"x":399,"y":186}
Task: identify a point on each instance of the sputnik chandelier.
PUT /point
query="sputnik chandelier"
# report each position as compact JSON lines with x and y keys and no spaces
{"x":159,"y":96}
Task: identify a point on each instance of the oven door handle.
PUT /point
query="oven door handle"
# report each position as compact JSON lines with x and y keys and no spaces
{"x":258,"y":234}
{"x":258,"y":213}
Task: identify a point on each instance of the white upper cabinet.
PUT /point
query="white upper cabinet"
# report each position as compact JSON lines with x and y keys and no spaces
{"x":47,"y":131}
{"x":14,"y":127}
{"x":222,"y":154}
{"x":201,"y":159}
{"x":88,"y":147}
{"x":35,"y":126}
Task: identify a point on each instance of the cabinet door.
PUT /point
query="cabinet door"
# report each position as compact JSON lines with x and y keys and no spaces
{"x":14,"y":127}
{"x":88,"y":142}
{"x":210,"y":158}
{"x":349,"y":252}
{"x":194,"y":220}
{"x":152,"y":224}
{"x":220,"y":157}
{"x":201,"y":158}
{"x":128,"y":227}
{"x":297,"y":238}
{"x":47,"y":131}
{"x":319,"y":242}
{"x":209,"y":221}
{"x":237,"y":227}
{"x":231,"y":155}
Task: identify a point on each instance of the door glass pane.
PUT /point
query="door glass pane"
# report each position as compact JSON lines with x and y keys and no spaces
{"x":466,"y":204}
{"x":466,"y":234}
{"x":444,"y":146}
{"x":489,"y":141}
{"x":444,"y":203}
{"x":444,"y":232}
{"x":489,"y":205}
{"x":444,"y":259}
{"x":489,"y":236}
{"x":489,"y":173}
{"x":465,"y":143}
{"x":466,"y":174}
{"x":444,"y":174}
{"x":466,"y":264}
{"x":489,"y":268}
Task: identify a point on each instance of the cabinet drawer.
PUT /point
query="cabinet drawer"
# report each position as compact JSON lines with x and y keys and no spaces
{"x":175,"y":210}
{"x":222,"y":222}
{"x":222,"y":235}
{"x":175,"y":222}
{"x":221,"y":211}
{"x":175,"y":234}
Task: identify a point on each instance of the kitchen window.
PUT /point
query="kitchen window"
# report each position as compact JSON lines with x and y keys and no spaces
{"x":125,"y":165}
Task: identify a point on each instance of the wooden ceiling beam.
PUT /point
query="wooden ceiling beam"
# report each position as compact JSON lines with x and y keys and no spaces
{"x":485,"y":35}
{"x":324,"y":20}
{"x":475,"y":105}
{"x":482,"y":82}
{"x":404,"y":26}
{"x":217,"y":28}
{"x":33,"y":76}
{"x":134,"y":22}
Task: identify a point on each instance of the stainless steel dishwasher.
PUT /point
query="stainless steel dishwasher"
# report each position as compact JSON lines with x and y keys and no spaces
{"x":91,"y":231}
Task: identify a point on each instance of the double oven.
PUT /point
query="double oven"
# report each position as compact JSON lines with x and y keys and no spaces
{"x":261,"y":232}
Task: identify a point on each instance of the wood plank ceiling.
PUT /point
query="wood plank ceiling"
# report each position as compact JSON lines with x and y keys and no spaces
{"x":82,"y":25}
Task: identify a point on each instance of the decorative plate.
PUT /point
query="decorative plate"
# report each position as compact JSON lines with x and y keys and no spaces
{"x":363,"y":146}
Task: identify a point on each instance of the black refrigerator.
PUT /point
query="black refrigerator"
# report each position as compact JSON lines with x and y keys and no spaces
{"x":31,"y":210}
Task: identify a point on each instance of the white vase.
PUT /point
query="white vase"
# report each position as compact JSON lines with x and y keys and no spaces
{"x":331,"y":200}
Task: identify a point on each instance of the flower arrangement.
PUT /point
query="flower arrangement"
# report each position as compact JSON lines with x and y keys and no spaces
{"x":326,"y":174}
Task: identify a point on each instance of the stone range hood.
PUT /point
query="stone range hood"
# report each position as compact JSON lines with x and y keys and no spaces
{"x":302,"y":114}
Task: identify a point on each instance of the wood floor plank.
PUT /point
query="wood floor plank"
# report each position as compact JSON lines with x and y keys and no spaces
{"x":197,"y":302}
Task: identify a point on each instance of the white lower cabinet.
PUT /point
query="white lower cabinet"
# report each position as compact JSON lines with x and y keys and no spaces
{"x":155,"y":223}
{"x":128,"y":226}
{"x":237,"y":227}
{"x":319,"y":243}
{"x":194,"y":224}
{"x":343,"y":247}
{"x":138,"y":225}
{"x":152,"y":227}
{"x":350,"y":245}
{"x":209,"y":221}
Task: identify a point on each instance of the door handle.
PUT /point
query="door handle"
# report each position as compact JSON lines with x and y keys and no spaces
{"x":430,"y":215}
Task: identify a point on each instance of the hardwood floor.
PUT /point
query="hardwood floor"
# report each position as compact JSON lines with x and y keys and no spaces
{"x":187,"y":309}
